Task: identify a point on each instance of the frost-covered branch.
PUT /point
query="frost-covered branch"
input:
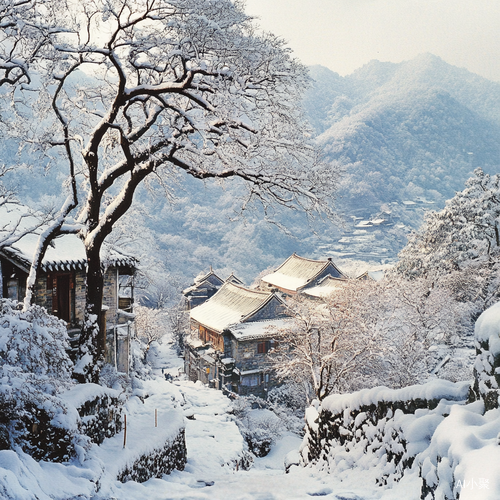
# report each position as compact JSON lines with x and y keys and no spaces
{"x":180,"y":87}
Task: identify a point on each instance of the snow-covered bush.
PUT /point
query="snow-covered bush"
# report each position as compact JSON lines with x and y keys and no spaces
{"x":33,"y":341}
{"x":487,"y":365}
{"x":259,"y":426}
{"x":34,"y":368}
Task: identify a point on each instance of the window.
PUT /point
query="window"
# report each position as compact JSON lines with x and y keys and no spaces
{"x":265,"y":347}
{"x":250,"y":380}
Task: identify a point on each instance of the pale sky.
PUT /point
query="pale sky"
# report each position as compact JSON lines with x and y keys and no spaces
{"x":345,"y":34}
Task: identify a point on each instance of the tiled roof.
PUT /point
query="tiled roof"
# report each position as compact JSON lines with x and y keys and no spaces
{"x":63,"y":254}
{"x":260,"y":329}
{"x":325,"y":287}
{"x":203,"y":281}
{"x":231,"y":304}
{"x":296,"y":272}
{"x":234,"y":279}
{"x":204,"y":277}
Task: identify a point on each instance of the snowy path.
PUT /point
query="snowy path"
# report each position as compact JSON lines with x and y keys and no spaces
{"x":213,"y":441}
{"x":214,"y":444}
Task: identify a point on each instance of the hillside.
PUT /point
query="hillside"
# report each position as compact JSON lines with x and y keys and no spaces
{"x":408,"y":130}
{"x":408,"y":135}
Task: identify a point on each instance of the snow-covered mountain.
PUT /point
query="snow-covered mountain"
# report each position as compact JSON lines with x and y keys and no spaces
{"x":411,"y":130}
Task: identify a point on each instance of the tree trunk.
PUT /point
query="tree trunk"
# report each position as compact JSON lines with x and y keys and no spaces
{"x":92,"y":346}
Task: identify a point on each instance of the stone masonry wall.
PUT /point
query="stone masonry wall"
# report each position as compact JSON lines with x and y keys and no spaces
{"x":162,"y":460}
{"x":110,"y":294}
{"x":377,"y":426}
{"x":79,"y":296}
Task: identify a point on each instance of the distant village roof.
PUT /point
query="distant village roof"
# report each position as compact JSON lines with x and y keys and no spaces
{"x":231,"y":304}
{"x":208,"y":276}
{"x":234,"y":279}
{"x":298,"y":272}
{"x":66,"y":252}
{"x":204,"y":281}
{"x":325,"y":287}
{"x":371,"y":275}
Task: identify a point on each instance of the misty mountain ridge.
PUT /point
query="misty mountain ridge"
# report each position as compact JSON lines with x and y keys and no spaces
{"x":413,"y":129}
{"x":377,"y":78}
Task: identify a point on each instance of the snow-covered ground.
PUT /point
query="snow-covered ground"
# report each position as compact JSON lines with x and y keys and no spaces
{"x":214,"y":444}
{"x":215,"y":448}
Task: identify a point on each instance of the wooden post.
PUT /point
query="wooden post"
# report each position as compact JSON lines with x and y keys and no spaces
{"x":125,"y":432}
{"x":156,"y":418}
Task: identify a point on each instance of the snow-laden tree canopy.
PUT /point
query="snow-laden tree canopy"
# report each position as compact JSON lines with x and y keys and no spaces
{"x":465,"y":231}
{"x":150,"y":90}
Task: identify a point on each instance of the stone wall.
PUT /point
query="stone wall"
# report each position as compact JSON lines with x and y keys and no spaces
{"x":163,"y":459}
{"x":110,"y":298}
{"x":43,"y":296}
{"x":100,"y":417}
{"x":377,"y":426}
{"x":36,"y":432}
{"x":37,"y":436}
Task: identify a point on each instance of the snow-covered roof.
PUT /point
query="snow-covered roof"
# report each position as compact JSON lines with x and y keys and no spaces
{"x":204,"y":280}
{"x":297,"y":272}
{"x":326,"y":286}
{"x":230,"y":305}
{"x":373,"y":275}
{"x":234,"y":279}
{"x":259,"y":329}
{"x":201,"y":278}
{"x":66,"y":252}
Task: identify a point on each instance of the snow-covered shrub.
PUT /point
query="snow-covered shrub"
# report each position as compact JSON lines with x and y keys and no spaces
{"x":487,"y":365}
{"x":33,"y":341}
{"x":463,"y":456}
{"x":289,"y":395}
{"x":34,"y":368}
{"x":260,"y":427}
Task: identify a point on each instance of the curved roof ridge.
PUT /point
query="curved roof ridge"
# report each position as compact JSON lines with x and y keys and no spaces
{"x":233,"y":303}
{"x":294,"y":255}
{"x":245,"y":288}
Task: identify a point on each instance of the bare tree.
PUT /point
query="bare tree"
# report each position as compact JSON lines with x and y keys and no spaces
{"x":150,"y":325}
{"x":152,"y":89}
{"x":414,"y":317}
{"x":25,"y":30}
{"x":332,"y":345}
{"x":368,"y":333}
{"x":178,"y":318}
{"x":17,"y":220}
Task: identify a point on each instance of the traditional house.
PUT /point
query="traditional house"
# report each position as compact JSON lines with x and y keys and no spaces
{"x":298,"y":274}
{"x":204,"y":287}
{"x":230,"y":335}
{"x":60,"y":287}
